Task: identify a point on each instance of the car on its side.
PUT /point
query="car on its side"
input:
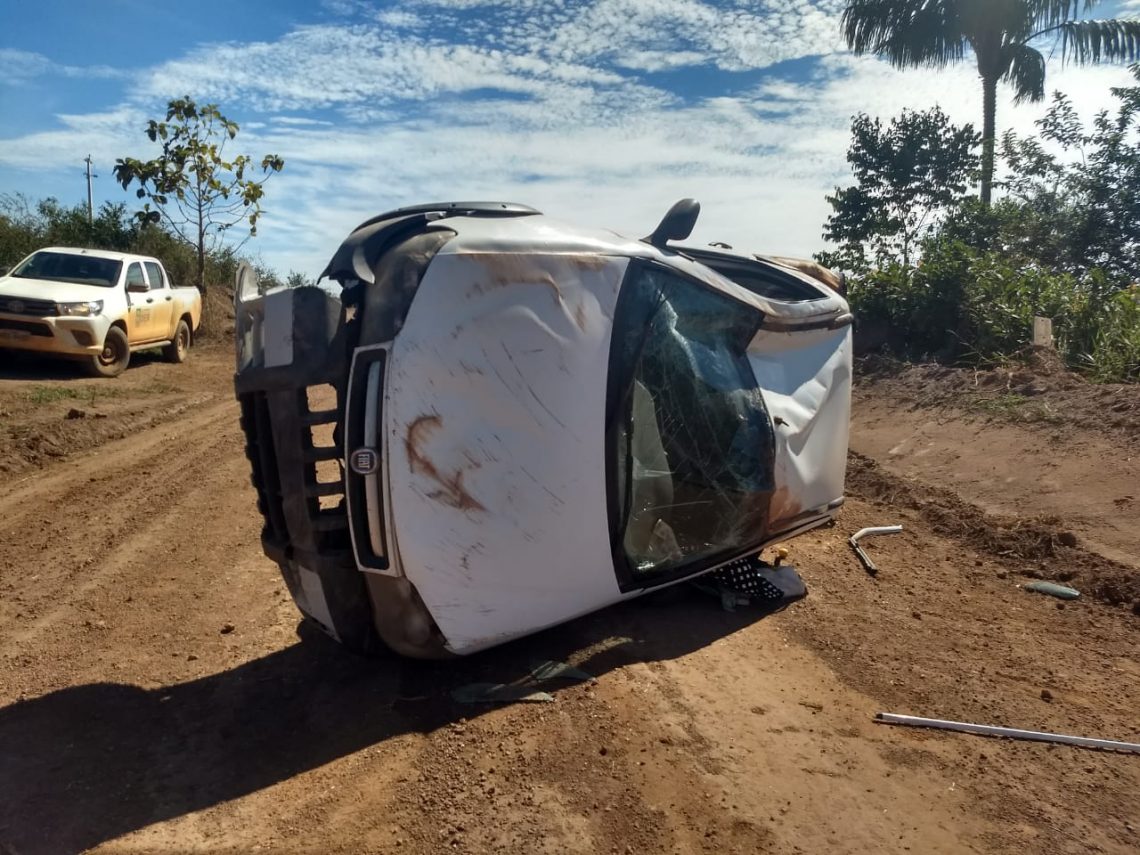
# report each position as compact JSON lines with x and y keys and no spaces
{"x":96,"y":306}
{"x":534,"y":420}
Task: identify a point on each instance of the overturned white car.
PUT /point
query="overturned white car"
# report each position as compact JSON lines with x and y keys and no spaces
{"x":534,"y":420}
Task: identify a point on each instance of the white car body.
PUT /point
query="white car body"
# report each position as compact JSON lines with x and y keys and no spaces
{"x":35,"y":309}
{"x":487,"y":432}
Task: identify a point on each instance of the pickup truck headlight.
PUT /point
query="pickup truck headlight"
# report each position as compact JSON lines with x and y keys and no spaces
{"x":82,"y":310}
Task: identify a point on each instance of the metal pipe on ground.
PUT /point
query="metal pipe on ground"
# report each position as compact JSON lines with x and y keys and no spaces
{"x":1007,"y":732}
{"x":867,"y":532}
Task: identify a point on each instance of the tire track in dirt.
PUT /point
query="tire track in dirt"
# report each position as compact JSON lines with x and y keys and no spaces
{"x":946,"y":631}
{"x":169,"y":707}
{"x":130,"y":496}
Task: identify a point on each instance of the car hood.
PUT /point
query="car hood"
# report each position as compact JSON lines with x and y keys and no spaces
{"x":47,"y":289}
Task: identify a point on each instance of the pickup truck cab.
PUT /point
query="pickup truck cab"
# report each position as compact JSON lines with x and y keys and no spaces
{"x":97,"y":306}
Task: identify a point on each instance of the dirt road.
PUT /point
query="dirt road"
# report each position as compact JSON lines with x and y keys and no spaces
{"x":159,"y":694}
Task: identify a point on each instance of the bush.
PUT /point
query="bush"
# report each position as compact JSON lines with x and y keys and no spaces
{"x":965,"y":305}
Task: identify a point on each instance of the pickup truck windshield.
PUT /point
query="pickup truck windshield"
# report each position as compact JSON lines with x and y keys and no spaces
{"x":66,"y":267}
{"x":692,"y":445}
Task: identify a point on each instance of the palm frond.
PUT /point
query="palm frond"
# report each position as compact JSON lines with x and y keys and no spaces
{"x":1026,"y":71}
{"x":1086,"y":42}
{"x":1047,"y":14}
{"x":905,"y":32}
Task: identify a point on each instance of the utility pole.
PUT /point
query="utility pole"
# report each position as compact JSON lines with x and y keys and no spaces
{"x":90,"y":204}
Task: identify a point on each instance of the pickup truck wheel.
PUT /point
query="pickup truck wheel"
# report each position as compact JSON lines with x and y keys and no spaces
{"x":179,"y":347}
{"x":115,"y":357}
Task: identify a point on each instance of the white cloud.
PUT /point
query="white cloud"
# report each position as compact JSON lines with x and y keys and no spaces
{"x":545,"y":103}
{"x":648,"y":35}
{"x":21,"y":66}
{"x":105,"y":135}
{"x":327,"y":66}
{"x":401,"y":19}
{"x":299,"y":120}
{"x":759,"y":166}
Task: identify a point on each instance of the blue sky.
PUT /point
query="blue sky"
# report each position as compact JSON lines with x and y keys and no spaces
{"x":597,"y":111}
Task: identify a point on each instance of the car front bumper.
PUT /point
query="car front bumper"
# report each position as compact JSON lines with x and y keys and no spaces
{"x":66,"y":336}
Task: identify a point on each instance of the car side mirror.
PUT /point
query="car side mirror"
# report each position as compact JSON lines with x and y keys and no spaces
{"x":137,"y":288}
{"x":677,"y":224}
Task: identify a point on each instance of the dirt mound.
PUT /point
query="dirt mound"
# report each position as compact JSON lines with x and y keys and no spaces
{"x":217,"y":314}
{"x":1040,"y":547}
{"x":1039,"y":389}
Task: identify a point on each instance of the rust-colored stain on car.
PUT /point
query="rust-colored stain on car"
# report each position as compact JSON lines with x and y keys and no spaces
{"x":451,"y":491}
{"x":505,"y":269}
{"x":783,"y":506}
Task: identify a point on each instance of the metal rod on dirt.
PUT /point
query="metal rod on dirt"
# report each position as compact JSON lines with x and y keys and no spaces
{"x":864,"y":532}
{"x":1008,"y":732}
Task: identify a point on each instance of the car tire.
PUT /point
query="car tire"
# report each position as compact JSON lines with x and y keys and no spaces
{"x":179,"y":347}
{"x":116,"y":355}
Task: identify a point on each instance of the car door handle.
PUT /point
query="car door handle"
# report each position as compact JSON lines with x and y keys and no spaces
{"x":168,"y":298}
{"x":150,"y":299}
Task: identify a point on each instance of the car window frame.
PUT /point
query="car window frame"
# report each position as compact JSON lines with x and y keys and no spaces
{"x":127,"y":275}
{"x":161,"y":275}
{"x":628,"y":579}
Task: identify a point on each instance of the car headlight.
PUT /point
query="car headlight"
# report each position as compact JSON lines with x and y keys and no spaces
{"x":83,"y":310}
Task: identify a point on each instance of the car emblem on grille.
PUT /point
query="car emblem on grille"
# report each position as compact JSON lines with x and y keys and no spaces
{"x":16,"y":307}
{"x":364,"y":461}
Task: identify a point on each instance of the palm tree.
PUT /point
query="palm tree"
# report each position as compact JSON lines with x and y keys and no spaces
{"x":999,"y":32}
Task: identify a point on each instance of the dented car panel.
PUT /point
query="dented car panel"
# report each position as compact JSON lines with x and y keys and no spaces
{"x":495,"y":402}
{"x":533,"y":421}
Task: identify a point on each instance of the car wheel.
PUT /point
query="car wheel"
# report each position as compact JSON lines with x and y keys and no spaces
{"x":179,"y":347}
{"x":115,"y":357}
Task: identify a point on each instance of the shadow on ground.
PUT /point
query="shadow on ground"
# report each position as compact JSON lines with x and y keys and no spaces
{"x":17,"y":365}
{"x":90,"y":763}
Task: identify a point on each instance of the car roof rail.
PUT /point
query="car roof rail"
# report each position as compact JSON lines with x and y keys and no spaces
{"x":457,"y":209}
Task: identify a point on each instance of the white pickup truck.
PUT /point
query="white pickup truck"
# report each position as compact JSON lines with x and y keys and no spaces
{"x":97,"y":306}
{"x":535,"y":420}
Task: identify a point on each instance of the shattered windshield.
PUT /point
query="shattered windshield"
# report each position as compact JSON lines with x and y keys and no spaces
{"x":691,"y":443}
{"x":69,"y":267}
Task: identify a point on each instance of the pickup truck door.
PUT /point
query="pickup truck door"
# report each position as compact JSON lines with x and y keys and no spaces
{"x":141,"y":324}
{"x":163,"y":305}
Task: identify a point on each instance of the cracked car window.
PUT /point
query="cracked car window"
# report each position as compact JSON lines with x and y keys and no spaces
{"x":694,"y":443}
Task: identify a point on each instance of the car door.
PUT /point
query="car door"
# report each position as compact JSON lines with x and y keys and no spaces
{"x":139,"y":312}
{"x":141,"y":321}
{"x":163,"y":305}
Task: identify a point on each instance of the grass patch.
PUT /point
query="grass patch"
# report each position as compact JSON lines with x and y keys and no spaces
{"x":1016,"y":408}
{"x":51,"y":394}
{"x":54,"y":394}
{"x":159,"y":387}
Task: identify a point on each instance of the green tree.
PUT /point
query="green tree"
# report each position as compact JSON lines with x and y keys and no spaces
{"x":1072,"y":193}
{"x":1001,"y":35}
{"x":25,"y":227}
{"x":908,"y":175}
{"x":197,"y":192}
{"x":298,"y":280}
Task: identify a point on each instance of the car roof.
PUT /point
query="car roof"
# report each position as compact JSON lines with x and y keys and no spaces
{"x":98,"y":253}
{"x":544,"y":234}
{"x":505,"y":227}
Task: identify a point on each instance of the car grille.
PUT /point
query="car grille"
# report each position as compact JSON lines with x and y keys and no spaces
{"x":364,"y":434}
{"x":21,"y":306}
{"x":293,"y":442}
{"x":30,"y":327}
{"x":284,"y":473}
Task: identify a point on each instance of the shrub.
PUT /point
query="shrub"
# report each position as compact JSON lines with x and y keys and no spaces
{"x":962,"y":305}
